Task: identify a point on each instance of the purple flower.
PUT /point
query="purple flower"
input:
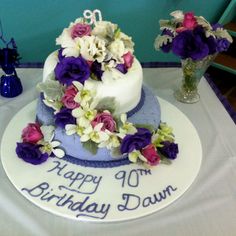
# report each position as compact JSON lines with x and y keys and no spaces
{"x":169,"y":149}
{"x":60,"y":56}
{"x":216,"y":26}
{"x":96,"y":69}
{"x":166,"y":47}
{"x":122,"y":68}
{"x":71,"y":69}
{"x":222,"y":45}
{"x":64,"y":117}
{"x":191,"y":44}
{"x":136,"y":141}
{"x":30,"y":153}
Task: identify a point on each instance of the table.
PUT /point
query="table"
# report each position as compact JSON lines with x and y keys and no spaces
{"x":207,"y":208}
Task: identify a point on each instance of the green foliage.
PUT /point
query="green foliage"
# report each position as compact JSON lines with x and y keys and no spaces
{"x":91,"y":147}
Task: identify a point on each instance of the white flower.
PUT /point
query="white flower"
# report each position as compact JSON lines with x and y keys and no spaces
{"x":94,"y":134}
{"x":126,"y":128}
{"x":84,"y":115}
{"x":92,"y":48}
{"x":128,"y":43}
{"x":48,"y":145}
{"x":74,"y":129}
{"x":85,"y":93}
{"x":117,"y":49}
{"x":71,"y":46}
{"x":104,"y":29}
{"x":135,"y":155}
{"x":112,"y":142}
{"x":178,"y":15}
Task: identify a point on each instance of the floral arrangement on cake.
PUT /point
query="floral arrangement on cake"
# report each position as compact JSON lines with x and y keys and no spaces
{"x":86,"y":52}
{"x":90,"y":48}
{"x":94,"y":121}
{"x":190,"y":36}
{"x":37,"y":144}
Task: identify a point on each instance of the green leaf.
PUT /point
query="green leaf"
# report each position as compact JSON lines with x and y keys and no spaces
{"x":107,"y":103}
{"x":168,"y":24}
{"x":52,"y":89}
{"x":91,"y":147}
{"x":115,"y":152}
{"x":162,"y":40}
{"x":146,"y":126}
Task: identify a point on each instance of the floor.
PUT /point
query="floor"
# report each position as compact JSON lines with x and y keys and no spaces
{"x":226,"y":83}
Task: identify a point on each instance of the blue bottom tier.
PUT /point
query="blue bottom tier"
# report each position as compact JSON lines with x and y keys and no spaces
{"x":146,"y":112}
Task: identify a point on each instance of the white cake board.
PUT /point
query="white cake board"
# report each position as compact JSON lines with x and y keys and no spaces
{"x":103,"y":195}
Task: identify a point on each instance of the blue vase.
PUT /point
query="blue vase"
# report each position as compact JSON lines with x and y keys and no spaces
{"x":10,"y":86}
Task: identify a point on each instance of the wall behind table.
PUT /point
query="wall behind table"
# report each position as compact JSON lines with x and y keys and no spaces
{"x":35,"y":24}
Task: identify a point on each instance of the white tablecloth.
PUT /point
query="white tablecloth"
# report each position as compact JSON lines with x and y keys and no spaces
{"x":207,"y":208}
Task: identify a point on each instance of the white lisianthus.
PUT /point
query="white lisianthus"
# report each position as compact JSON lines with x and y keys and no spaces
{"x":179,"y":15}
{"x":117,"y":49}
{"x":92,"y":48}
{"x":126,"y":128}
{"x":128,"y":43}
{"x":135,"y":155}
{"x":104,"y":29}
{"x":94,"y":134}
{"x":71,"y":46}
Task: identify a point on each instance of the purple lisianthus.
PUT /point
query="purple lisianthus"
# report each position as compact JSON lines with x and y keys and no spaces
{"x":190,"y":44}
{"x":30,"y":153}
{"x":60,"y":56}
{"x":169,"y":149}
{"x":216,"y":26}
{"x":71,"y":69}
{"x":122,"y":68}
{"x":64,"y":117}
{"x":96,"y":69}
{"x":222,"y":45}
{"x":167,"y":47}
{"x":136,"y":141}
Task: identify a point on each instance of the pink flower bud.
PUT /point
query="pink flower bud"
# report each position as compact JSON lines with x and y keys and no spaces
{"x":149,"y":152}
{"x":128,"y":59}
{"x":189,"y":21}
{"x":106,"y":119}
{"x":68,"y":98}
{"x":32,"y":133}
{"x":80,"y":30}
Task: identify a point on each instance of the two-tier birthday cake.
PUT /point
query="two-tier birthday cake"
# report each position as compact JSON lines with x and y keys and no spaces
{"x":93,"y":109}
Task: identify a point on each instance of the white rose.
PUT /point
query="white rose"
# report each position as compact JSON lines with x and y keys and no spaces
{"x":129,"y":44}
{"x":92,"y":48}
{"x":71,"y":47}
{"x":104,"y":29}
{"x":117,"y":49}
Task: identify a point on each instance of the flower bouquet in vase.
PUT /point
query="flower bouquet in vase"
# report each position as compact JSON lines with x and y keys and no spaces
{"x":196,"y":42}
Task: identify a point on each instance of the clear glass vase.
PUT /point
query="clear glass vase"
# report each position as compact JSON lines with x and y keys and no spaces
{"x":192,"y":74}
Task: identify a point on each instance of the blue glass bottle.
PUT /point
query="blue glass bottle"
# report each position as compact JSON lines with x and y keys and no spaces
{"x":10,"y":85}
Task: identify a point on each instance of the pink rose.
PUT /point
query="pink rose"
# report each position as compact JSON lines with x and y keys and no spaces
{"x":32,"y":133}
{"x":68,"y":97}
{"x":80,"y":30}
{"x":107,"y":120}
{"x":128,"y":59}
{"x":190,"y":21}
{"x":149,"y":152}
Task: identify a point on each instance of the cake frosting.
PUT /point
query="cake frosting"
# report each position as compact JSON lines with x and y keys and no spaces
{"x":93,"y":109}
{"x":124,"y":88}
